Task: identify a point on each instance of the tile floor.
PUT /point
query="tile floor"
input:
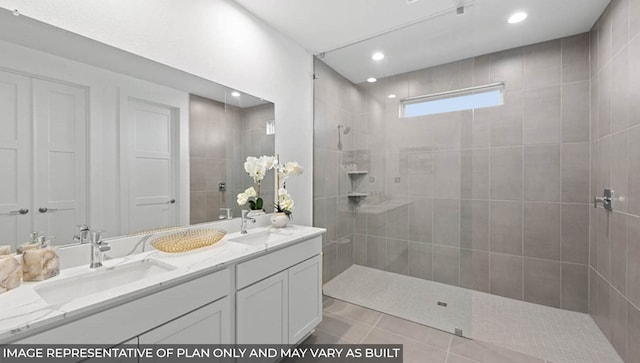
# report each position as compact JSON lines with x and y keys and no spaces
{"x":345,"y":323}
{"x":550,"y":334}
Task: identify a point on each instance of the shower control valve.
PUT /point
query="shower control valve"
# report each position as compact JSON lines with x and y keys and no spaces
{"x":606,"y":200}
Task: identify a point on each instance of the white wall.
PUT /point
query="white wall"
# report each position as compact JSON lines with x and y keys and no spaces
{"x":214,"y":39}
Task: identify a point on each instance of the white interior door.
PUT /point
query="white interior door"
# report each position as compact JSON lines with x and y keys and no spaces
{"x":60,"y":115}
{"x":151,"y":132}
{"x":15,"y":159}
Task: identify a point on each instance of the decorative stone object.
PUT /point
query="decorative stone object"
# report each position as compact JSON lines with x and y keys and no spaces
{"x":40,"y":264}
{"x":10,"y":273}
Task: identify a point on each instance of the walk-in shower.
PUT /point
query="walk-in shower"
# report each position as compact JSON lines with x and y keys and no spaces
{"x":481,"y":222}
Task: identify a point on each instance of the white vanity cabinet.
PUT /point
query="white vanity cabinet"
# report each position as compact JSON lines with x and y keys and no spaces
{"x":152,"y":317}
{"x":210,"y":324}
{"x":271,"y":296}
{"x":279,"y":297}
{"x":262,"y":311}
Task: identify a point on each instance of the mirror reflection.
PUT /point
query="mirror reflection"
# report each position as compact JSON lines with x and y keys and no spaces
{"x":93,"y":135}
{"x":221,"y":139}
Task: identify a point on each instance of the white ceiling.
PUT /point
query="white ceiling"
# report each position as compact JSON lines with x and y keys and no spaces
{"x":418,"y":34}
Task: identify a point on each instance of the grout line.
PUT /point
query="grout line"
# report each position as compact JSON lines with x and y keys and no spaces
{"x":561,"y":163}
{"x":371,"y":329}
{"x":449,"y":348}
{"x":524,"y":176}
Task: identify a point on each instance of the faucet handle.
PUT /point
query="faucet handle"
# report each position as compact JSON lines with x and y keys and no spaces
{"x":96,"y":236}
{"x":227,"y":213}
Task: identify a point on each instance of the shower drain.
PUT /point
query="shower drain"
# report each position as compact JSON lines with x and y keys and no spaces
{"x":442,"y":303}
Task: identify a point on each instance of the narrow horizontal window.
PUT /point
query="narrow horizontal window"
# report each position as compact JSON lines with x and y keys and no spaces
{"x":464,"y":99}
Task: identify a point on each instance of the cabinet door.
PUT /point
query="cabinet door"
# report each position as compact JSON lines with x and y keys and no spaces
{"x":262,"y":312}
{"x":305,"y":298}
{"x":15,"y":158}
{"x":210,"y":324}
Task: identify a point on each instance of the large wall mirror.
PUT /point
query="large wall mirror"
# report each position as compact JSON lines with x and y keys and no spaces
{"x":95,"y":135}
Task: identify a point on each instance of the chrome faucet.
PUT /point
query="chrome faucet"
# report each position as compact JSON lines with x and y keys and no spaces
{"x":83,"y":236}
{"x":98,"y":247}
{"x":243,"y":223}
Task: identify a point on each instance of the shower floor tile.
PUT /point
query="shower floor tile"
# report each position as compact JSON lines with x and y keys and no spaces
{"x":548,"y":333}
{"x":346,"y":323}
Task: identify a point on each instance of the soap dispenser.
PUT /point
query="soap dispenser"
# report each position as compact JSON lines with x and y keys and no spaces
{"x":10,"y":271}
{"x":41,"y":261}
{"x":32,"y":243}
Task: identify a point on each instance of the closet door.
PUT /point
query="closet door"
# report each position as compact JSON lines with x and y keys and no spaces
{"x":15,"y":159}
{"x":60,"y":119}
{"x":149,"y":165}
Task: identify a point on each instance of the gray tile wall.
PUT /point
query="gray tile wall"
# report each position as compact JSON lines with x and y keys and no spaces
{"x":614,"y":297}
{"x":338,"y":101}
{"x":220,"y":139}
{"x":494,"y":199}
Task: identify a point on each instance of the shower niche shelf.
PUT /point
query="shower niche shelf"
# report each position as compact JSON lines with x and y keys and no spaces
{"x":356,"y":178}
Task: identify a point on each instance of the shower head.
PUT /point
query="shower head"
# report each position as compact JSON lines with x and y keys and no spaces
{"x":345,"y":129}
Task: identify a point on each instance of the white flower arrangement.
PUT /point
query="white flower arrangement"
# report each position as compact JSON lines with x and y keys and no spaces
{"x":257,"y":169}
{"x":284,"y":203}
{"x":243,"y":197}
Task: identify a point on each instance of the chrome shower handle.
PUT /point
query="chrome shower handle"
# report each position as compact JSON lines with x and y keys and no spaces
{"x":606,"y":200}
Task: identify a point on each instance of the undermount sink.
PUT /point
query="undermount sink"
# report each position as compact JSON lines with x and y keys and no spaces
{"x":65,"y":290}
{"x":260,"y":238}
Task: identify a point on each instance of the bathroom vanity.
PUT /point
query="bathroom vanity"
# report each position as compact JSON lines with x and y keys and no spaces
{"x":261,"y":287}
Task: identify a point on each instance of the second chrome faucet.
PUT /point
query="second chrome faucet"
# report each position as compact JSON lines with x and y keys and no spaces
{"x":98,"y":246}
{"x":243,"y":223}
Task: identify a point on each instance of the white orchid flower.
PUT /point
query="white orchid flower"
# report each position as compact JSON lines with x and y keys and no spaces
{"x":251,"y":192}
{"x":242,"y":199}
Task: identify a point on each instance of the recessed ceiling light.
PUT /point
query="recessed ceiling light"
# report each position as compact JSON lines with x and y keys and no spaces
{"x":391,"y":96}
{"x":235,"y":94}
{"x":377,"y":56}
{"x":517,"y":17}
{"x":371,"y":80}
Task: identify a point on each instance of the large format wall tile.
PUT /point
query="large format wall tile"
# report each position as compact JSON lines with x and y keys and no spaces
{"x":575,"y":233}
{"x":542,"y":119}
{"x":542,"y":281}
{"x":575,"y":173}
{"x":542,"y":65}
{"x":542,"y":173}
{"x":575,"y":287}
{"x":484,"y":189}
{"x":542,"y":225}
{"x":506,"y":227}
{"x":506,"y":275}
{"x":506,"y":173}
{"x":575,"y":58}
{"x":575,"y":112}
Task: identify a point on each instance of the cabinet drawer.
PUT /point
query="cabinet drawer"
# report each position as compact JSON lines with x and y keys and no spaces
{"x":123,"y":322}
{"x":269,"y":264}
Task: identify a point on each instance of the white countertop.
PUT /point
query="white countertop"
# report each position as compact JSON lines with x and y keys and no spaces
{"x":22,"y":310}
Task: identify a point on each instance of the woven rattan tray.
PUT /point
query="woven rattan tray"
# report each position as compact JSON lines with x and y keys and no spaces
{"x":188,"y":240}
